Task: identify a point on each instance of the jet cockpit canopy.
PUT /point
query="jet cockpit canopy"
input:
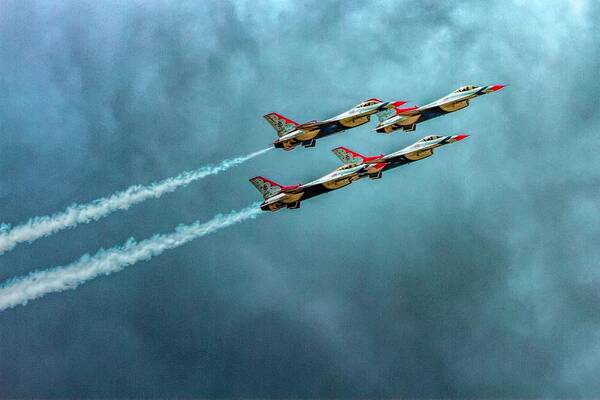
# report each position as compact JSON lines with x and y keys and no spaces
{"x":346,"y":166}
{"x":429,"y":138}
{"x":464,"y":88}
{"x":370,"y":102}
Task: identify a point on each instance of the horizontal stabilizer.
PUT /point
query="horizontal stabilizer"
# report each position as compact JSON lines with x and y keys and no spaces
{"x":390,"y":110}
{"x":386,"y":114}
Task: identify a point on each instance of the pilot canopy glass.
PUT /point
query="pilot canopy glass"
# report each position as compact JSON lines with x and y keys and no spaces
{"x":464,"y":88}
{"x":368,"y":103}
{"x":346,"y":166}
{"x":429,"y":138}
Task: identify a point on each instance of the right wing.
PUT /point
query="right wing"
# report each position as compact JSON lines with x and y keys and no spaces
{"x":397,"y":115}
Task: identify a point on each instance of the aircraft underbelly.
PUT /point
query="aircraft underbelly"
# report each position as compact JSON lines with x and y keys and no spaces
{"x":354,"y":121}
{"x":340,"y":183}
{"x":451,"y":107}
{"x":316,"y":190}
{"x":288,"y":198}
{"x":409,"y":120}
{"x":307,"y":135}
{"x":292,"y":197}
{"x":331,"y":128}
{"x":418,"y":155}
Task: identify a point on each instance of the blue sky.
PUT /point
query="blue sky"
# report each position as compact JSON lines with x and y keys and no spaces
{"x":473,"y":273}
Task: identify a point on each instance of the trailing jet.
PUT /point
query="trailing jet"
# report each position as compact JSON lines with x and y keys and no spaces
{"x":292,"y":134}
{"x":278,"y":196}
{"x":407,"y":118}
{"x":355,"y":167}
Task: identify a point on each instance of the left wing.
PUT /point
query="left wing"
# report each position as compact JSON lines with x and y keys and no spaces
{"x":337,"y":178}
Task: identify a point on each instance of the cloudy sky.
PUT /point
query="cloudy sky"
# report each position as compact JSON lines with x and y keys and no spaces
{"x":474,"y":273}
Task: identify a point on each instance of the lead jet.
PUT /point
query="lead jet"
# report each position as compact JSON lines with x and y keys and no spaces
{"x":356,"y":166}
{"x":408,"y":118}
{"x":292,"y":134}
{"x":375,"y":166}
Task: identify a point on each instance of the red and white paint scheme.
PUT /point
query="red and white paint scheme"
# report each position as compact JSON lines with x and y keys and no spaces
{"x":376,"y":165}
{"x":292,"y":134}
{"x":408,"y":118}
{"x":356,"y":166}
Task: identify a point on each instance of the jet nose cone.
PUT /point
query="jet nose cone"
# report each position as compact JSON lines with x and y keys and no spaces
{"x":458,"y":138}
{"x":495,"y":88}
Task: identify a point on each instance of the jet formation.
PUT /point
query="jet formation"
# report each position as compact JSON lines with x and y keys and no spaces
{"x":356,"y":166}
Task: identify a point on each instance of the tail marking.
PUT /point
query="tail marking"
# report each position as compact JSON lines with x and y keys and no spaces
{"x":281,"y":124}
{"x":348,"y":156}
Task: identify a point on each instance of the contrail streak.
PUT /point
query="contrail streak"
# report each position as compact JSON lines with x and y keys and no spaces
{"x":20,"y":290}
{"x":76,"y":214}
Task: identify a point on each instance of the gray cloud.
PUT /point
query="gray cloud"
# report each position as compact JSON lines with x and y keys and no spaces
{"x":472,"y":273}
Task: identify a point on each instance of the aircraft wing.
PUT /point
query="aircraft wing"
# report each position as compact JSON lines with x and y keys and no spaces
{"x":294,"y":134}
{"x":455,"y":100}
{"x":443,"y":103}
{"x":421,"y":149}
{"x":336,"y":176}
{"x":430,"y":109}
{"x":392,"y":121}
{"x":417,"y":150}
{"x":310,"y":125}
{"x":409,"y":153}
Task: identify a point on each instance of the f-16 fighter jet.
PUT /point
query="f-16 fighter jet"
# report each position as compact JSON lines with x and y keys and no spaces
{"x":278,"y":196}
{"x":355,"y":167}
{"x":407,"y":118}
{"x":292,"y":134}
{"x":374,"y":166}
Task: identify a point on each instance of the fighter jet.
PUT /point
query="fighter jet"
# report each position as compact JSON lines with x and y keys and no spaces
{"x":407,"y":118}
{"x":375,"y":166}
{"x":278,"y":196}
{"x":355,"y":167}
{"x":292,"y":134}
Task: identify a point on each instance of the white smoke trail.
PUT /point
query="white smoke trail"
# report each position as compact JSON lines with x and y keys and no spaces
{"x":20,"y":290}
{"x":76,"y":214}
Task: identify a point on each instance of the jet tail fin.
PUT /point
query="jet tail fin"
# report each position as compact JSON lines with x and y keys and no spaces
{"x":266,"y":187}
{"x":269,"y":188}
{"x":281,"y":124}
{"x":348,"y":156}
{"x":386,"y":114}
{"x":391,"y":111}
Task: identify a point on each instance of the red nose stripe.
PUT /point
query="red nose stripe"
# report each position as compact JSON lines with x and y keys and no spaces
{"x":495,"y":88}
{"x":460,"y":137}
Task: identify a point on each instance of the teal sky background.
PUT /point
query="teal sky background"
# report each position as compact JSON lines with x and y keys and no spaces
{"x":473,"y":273}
